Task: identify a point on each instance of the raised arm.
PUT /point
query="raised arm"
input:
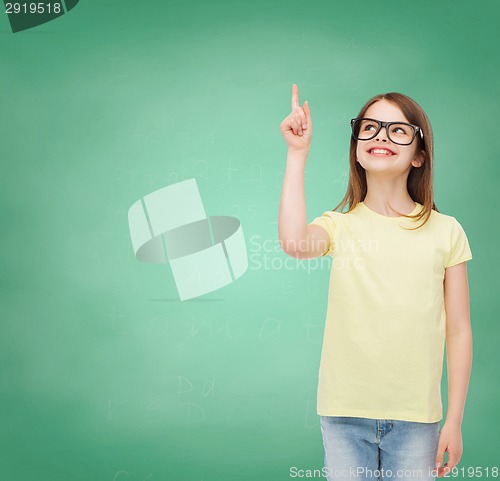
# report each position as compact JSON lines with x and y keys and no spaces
{"x":298,"y":239}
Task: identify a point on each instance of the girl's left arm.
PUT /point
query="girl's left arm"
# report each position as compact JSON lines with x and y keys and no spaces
{"x":459,"y":361}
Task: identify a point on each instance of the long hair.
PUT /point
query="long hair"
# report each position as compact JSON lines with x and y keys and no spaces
{"x":420,"y":179}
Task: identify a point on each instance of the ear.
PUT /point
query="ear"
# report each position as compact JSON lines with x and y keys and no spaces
{"x":418,"y":160}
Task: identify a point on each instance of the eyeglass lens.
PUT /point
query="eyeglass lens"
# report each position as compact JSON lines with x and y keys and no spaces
{"x":365,"y":129}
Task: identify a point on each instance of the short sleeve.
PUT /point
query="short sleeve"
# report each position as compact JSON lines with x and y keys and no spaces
{"x":459,"y":246}
{"x":328,"y":223}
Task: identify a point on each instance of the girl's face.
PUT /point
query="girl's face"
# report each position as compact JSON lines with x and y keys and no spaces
{"x":402,"y":157}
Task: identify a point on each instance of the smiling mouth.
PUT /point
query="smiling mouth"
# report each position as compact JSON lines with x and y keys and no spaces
{"x":381,"y":152}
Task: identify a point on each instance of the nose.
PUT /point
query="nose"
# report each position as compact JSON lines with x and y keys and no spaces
{"x":382,"y":136}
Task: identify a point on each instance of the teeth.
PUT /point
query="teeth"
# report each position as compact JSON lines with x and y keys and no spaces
{"x":380,"y":151}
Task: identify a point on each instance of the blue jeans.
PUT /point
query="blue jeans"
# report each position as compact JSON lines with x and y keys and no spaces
{"x":379,"y":449}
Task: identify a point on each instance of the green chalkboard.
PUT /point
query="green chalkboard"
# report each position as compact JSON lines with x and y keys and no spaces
{"x":105,"y":373}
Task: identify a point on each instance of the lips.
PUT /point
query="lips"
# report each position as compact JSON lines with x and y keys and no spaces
{"x":380,"y":151}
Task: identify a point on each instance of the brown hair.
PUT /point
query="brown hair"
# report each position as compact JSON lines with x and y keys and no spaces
{"x":419,"y":182}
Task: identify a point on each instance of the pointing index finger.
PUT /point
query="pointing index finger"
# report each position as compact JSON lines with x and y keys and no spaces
{"x":295,"y":96}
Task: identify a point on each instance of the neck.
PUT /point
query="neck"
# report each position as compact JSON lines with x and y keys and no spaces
{"x":384,"y":193}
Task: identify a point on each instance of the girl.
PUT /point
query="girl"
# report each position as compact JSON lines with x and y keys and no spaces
{"x":398,"y":289}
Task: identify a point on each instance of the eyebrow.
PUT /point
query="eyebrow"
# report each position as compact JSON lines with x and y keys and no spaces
{"x":399,"y":121}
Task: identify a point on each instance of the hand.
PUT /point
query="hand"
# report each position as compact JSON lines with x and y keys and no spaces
{"x":297,"y":127}
{"x":450,"y":440}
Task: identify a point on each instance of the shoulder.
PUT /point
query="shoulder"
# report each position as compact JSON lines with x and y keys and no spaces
{"x":335,"y":215}
{"x":331,"y":220}
{"x":455,"y":238}
{"x":332,"y":216}
{"x":444,"y":221}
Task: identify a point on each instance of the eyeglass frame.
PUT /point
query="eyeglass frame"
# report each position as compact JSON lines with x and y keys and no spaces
{"x":387,"y":125}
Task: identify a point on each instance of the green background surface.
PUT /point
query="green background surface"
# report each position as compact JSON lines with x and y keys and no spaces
{"x":104,"y":374}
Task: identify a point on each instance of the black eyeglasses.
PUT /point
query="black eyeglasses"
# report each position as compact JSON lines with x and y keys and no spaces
{"x":398,"y":132}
